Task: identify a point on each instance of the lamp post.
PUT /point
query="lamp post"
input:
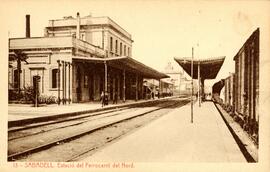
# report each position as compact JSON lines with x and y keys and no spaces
{"x":199,"y":84}
{"x":192,"y":87}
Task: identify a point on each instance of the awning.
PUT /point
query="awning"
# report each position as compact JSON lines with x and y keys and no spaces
{"x":209,"y":68}
{"x":128,"y":64}
{"x":167,"y":81}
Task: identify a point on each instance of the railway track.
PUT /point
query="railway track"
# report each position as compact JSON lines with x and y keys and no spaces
{"x":36,"y":128}
{"x":27,"y":140}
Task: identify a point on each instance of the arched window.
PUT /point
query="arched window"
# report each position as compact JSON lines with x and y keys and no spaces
{"x":54,"y":78}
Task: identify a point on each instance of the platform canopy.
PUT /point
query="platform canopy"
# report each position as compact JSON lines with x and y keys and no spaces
{"x":128,"y":64}
{"x":209,"y":68}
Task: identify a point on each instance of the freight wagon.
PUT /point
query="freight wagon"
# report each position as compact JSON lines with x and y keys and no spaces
{"x":241,"y":89}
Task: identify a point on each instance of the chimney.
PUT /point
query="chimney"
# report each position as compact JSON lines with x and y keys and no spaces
{"x":27,"y":31}
{"x":78,"y":26}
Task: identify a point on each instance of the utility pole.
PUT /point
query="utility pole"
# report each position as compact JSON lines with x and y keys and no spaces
{"x":199,"y":85}
{"x":192,"y":87}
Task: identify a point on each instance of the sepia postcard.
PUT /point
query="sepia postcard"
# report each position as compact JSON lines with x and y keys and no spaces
{"x":155,"y":85}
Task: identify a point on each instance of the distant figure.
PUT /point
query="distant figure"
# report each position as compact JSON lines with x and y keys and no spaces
{"x":102,"y":99}
{"x":158,"y":95}
{"x":115,"y":98}
{"x":106,"y":98}
{"x":153,"y":95}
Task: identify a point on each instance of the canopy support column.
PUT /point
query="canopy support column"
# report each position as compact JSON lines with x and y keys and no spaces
{"x":63,"y":82}
{"x":105,"y":77}
{"x":202,"y":87}
{"x":124,"y":85}
{"x":159,"y":90}
{"x":58,"y":81}
{"x":69,"y":100}
{"x":141,"y":85}
{"x":136,"y":84}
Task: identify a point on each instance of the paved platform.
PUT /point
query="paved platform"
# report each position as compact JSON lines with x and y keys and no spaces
{"x":173,"y":138}
{"x":18,"y":112}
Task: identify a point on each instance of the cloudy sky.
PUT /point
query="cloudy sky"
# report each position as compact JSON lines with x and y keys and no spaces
{"x":161,"y":29}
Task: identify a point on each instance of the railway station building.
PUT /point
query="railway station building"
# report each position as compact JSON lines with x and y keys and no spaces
{"x":77,"y":59}
{"x":181,"y":83}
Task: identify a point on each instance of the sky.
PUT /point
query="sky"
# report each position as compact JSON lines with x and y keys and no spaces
{"x":161,"y":29}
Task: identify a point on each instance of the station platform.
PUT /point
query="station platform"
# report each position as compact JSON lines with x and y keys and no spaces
{"x":21,"y":112}
{"x":173,"y":138}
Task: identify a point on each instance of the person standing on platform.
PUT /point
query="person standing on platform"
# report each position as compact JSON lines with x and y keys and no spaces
{"x":102,"y":98}
{"x":106,"y":98}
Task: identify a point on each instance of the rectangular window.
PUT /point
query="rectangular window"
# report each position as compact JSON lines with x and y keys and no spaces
{"x":125,"y":50}
{"x":116,"y":46}
{"x":83,"y":37}
{"x":128,"y":51}
{"x":54,"y":78}
{"x":121,"y":49}
{"x":111,"y":44}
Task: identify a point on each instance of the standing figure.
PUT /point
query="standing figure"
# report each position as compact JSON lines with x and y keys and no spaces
{"x":102,"y":99}
{"x":106,"y":98}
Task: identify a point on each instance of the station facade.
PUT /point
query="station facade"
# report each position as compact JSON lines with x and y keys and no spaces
{"x":180,"y":82}
{"x":77,"y":59}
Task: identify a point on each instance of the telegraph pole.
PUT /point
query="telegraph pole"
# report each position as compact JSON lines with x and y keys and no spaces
{"x":199,"y":85}
{"x":192,"y":87}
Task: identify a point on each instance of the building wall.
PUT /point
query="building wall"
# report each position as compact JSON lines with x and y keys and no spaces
{"x":121,"y":40}
{"x":41,"y":64}
{"x":99,"y":34}
{"x":86,"y":80}
{"x":180,"y":82}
